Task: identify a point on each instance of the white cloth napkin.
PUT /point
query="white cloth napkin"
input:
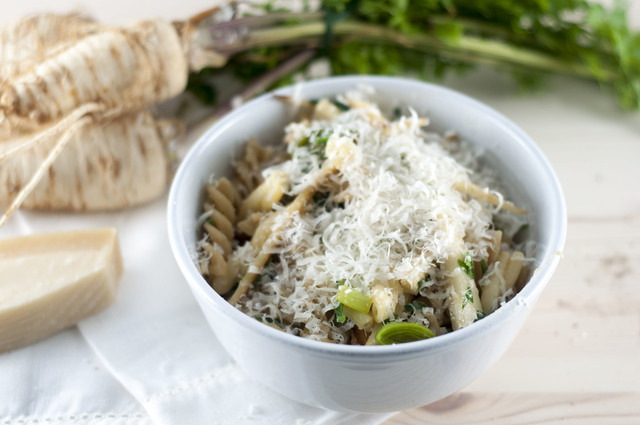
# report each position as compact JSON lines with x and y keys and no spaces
{"x":154,"y":340}
{"x":61,"y":381}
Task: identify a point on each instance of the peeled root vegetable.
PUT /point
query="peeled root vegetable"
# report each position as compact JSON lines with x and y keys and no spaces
{"x":105,"y":165}
{"x":28,"y":42}
{"x":75,"y":128}
{"x":112,"y":68}
{"x":65,"y":80}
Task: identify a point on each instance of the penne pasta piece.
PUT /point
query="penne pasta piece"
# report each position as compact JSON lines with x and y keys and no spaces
{"x":512,"y":271}
{"x":384,"y":299}
{"x":464,"y":298}
{"x":410,"y":286}
{"x":325,"y":110}
{"x":263,"y":231}
{"x":340,"y":151}
{"x":250,"y":277}
{"x":265,"y":195}
{"x":494,"y":249}
{"x":493,"y":284}
{"x":485,"y":196}
{"x":412,"y":279}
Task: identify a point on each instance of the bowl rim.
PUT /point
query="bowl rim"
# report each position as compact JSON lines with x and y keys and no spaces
{"x":528,"y":293}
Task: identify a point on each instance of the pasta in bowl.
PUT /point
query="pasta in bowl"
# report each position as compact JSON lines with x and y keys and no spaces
{"x":359,"y":227}
{"x":353,"y":222}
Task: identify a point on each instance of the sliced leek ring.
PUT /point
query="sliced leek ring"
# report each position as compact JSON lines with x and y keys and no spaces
{"x":401,"y":332}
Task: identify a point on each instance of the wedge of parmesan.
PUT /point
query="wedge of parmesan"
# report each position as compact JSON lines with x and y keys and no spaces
{"x":48,"y":282}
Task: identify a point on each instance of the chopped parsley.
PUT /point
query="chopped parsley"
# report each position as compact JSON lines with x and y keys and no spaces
{"x":466,"y":265}
{"x":270,"y":320}
{"x":316,"y":142}
{"x":483,"y":266}
{"x":322,"y":140}
{"x":414,"y":306}
{"x":340,"y":316}
{"x":468,"y":297}
{"x":341,"y":105}
{"x":424,"y":281}
{"x":392,"y":318}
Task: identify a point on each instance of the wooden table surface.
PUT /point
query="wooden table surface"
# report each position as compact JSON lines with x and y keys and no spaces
{"x":577,"y":360}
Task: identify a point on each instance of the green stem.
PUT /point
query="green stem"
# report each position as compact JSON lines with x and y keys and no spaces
{"x":484,"y":50}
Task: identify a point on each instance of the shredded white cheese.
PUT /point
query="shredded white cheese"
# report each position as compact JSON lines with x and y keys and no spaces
{"x":390,"y":214}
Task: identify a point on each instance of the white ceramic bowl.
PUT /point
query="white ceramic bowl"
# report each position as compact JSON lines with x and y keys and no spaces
{"x":371,"y":378}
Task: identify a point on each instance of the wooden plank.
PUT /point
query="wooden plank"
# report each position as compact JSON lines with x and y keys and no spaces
{"x":576,"y":359}
{"x":526,"y":408}
{"x":584,"y":333}
{"x":591,"y":144}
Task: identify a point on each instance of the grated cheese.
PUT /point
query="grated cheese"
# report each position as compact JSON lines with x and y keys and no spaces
{"x":390,"y":214}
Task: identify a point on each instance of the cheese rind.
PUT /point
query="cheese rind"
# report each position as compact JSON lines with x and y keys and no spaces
{"x":48,"y":282}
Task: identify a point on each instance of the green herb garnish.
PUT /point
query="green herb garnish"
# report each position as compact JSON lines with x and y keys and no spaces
{"x":340,"y":316}
{"x":269,"y":320}
{"x":466,"y":264}
{"x":468,"y":297}
{"x":316,"y":142}
{"x":483,"y":266}
{"x":414,"y":306}
{"x":423,"y":282}
{"x":434,"y":38}
{"x":321,"y":140}
{"x":341,"y":105}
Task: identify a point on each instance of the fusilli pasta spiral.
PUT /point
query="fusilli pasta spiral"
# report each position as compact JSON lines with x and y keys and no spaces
{"x":219,"y":227}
